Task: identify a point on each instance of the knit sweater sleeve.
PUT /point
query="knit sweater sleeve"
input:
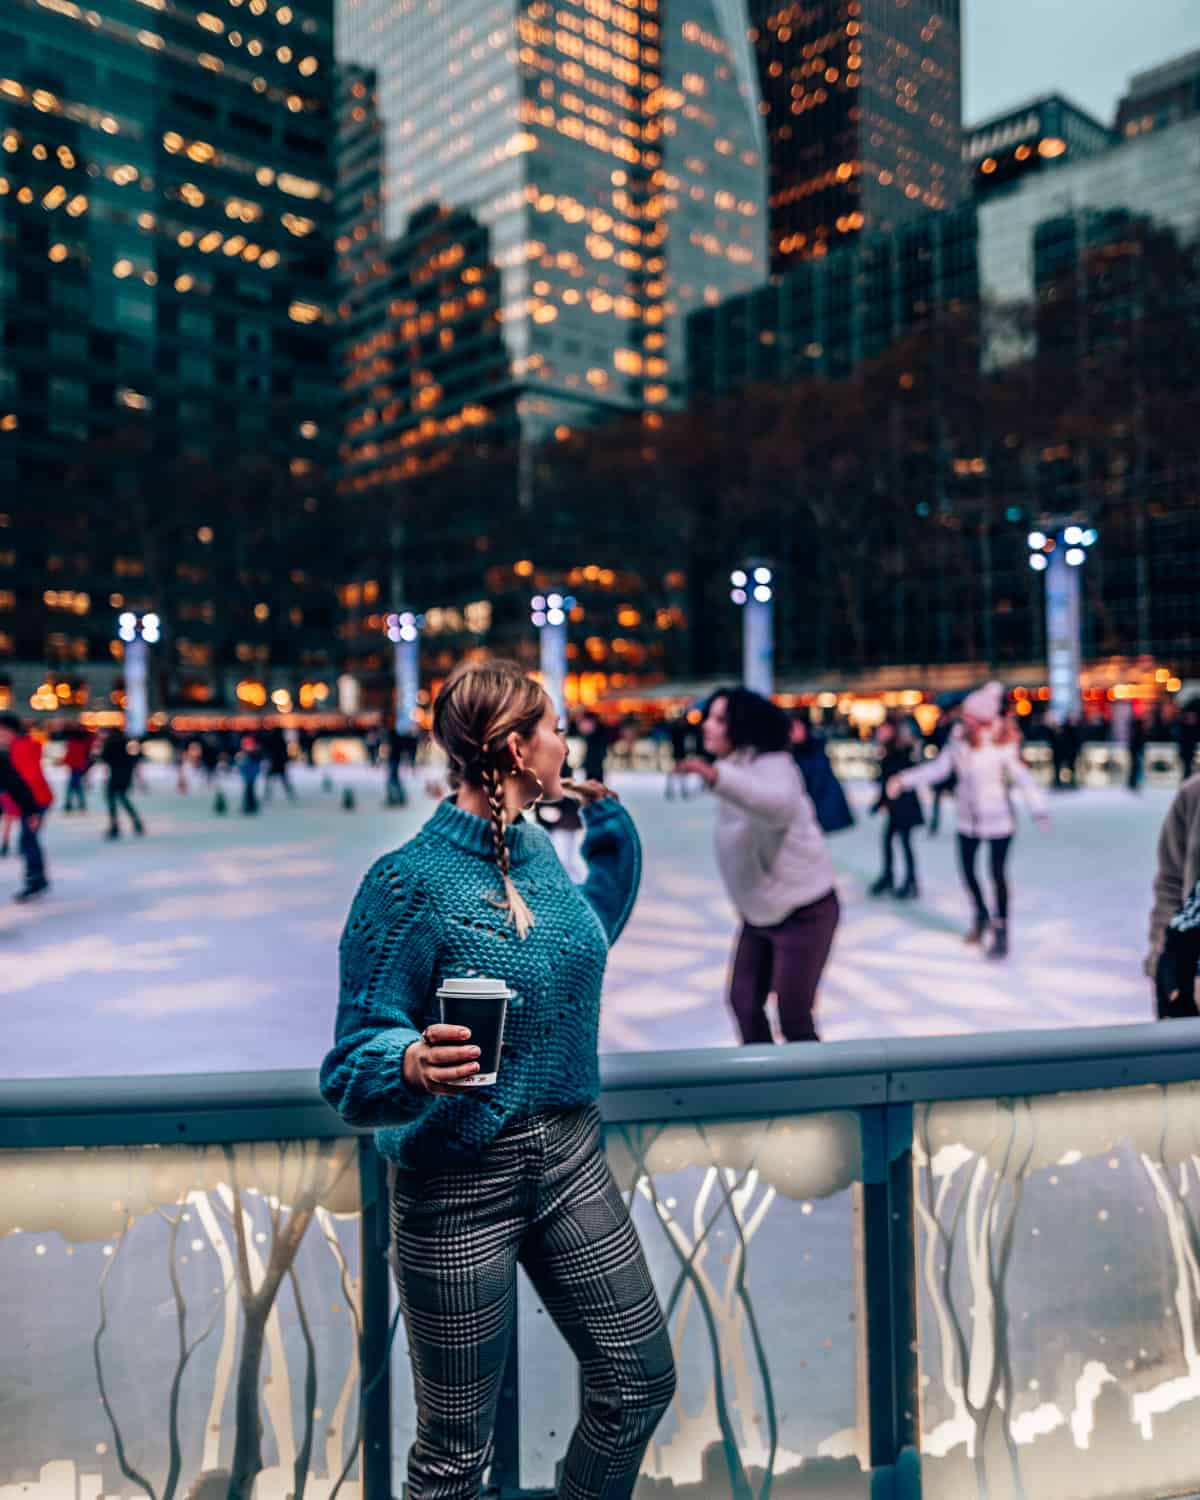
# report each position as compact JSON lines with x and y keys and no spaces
{"x":387,"y":957}
{"x":612,"y":852}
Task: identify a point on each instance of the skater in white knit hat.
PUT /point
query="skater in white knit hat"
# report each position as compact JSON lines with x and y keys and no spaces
{"x":984,"y":751}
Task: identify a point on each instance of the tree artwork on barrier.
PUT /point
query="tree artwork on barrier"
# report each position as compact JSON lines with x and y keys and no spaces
{"x":736,"y":1217}
{"x":1058,"y":1258}
{"x":225,"y":1307}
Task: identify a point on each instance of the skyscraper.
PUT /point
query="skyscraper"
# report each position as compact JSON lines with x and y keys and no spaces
{"x":1160,"y":97}
{"x":614,"y":157}
{"x":863,"y":107}
{"x":165,"y":215}
{"x":562,"y":182}
{"x":1046,"y":133}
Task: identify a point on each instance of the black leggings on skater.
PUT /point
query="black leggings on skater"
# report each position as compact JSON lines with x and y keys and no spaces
{"x":968,"y":849}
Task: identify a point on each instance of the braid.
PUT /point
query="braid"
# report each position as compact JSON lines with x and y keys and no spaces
{"x":494,"y":789}
{"x":518,"y":911}
{"x":480,"y":705}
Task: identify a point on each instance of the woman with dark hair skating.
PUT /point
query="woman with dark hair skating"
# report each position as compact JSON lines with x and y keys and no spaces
{"x":484,"y":1179}
{"x":774,"y":862}
{"x":984,"y":752}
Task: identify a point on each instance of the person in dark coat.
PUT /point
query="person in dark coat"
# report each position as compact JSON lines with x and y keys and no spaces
{"x":121,"y":761}
{"x":275,"y":748}
{"x":595,"y":739}
{"x":685,"y":741}
{"x":1066,"y":741}
{"x":249,"y":764}
{"x":821,"y":783}
{"x":210,"y":755}
{"x":1138,"y":738}
{"x":903,"y":811}
{"x":396,"y":793}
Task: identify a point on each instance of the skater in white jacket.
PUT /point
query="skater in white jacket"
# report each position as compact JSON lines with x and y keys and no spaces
{"x":774,"y":863}
{"x":984,"y":751}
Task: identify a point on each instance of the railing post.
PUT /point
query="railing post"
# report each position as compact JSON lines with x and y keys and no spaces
{"x":890,"y":1286}
{"x":375,"y":1376}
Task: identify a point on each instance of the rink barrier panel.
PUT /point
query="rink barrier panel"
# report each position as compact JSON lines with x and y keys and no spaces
{"x":879,"y":1082}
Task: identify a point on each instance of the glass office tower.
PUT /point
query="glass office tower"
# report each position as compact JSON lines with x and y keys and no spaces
{"x":863,"y":106}
{"x":1160,"y":97}
{"x":614,"y":156}
{"x":166,"y":198}
{"x":1044,"y":134}
{"x":827,"y":315}
{"x":561,"y":184}
{"x":1079,"y":277}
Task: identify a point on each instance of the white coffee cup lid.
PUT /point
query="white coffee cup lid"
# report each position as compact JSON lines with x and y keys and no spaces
{"x":490,"y":989}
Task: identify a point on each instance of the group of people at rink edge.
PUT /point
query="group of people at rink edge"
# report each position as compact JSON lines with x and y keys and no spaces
{"x":494,"y":1150}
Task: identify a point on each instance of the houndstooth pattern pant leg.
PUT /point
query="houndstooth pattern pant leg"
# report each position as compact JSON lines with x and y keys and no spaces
{"x":543,"y":1197}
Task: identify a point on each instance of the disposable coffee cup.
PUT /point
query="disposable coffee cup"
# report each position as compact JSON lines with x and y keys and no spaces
{"x":481,"y":1006}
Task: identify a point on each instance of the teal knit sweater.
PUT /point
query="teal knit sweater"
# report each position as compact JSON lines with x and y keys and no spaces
{"x":427,"y":912}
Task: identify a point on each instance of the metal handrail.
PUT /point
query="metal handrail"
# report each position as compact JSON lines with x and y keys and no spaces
{"x":879,"y":1081}
{"x":713,"y":1081}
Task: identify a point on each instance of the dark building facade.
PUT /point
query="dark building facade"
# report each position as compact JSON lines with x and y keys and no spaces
{"x":166,"y":399}
{"x":1004,"y":151}
{"x":824,"y":317}
{"x":455,"y":515}
{"x":862,"y":101}
{"x":1160,"y":97}
{"x":1077,"y":286}
{"x":1105,"y":253}
{"x":358,"y":202}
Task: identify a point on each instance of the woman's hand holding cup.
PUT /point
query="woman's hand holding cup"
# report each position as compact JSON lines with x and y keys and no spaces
{"x":440,"y":1060}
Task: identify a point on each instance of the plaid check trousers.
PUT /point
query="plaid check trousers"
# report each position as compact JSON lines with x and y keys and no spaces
{"x":542,"y":1195}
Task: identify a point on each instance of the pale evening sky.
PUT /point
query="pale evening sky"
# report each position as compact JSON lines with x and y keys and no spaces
{"x":1085,"y":49}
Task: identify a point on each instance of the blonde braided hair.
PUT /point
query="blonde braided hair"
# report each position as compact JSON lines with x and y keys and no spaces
{"x":518,"y":909}
{"x":479,"y":706}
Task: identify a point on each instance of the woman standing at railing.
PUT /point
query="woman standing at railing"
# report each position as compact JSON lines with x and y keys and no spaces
{"x":484,"y":1178}
{"x":774,"y":862}
{"x":984,"y":753}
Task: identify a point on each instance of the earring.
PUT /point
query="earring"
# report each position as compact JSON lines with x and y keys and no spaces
{"x":533,"y":776}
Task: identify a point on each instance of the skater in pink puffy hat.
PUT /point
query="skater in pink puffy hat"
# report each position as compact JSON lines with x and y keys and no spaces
{"x":984,"y":752}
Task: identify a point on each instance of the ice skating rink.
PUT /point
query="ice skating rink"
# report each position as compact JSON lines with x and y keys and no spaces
{"x":211,"y":944}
